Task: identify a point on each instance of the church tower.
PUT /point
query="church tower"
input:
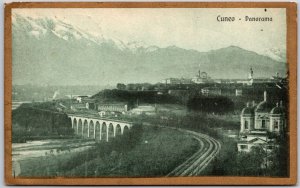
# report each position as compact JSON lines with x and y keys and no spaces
{"x":250,"y":77}
{"x":251,"y":74}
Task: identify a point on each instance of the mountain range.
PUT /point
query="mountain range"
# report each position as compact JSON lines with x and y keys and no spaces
{"x":50,"y":51}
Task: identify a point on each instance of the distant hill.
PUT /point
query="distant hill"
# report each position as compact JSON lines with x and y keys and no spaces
{"x":49,"y":51}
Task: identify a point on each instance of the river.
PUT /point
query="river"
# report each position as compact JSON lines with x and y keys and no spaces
{"x":50,"y":147}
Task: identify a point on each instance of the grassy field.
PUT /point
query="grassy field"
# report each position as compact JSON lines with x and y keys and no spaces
{"x":153,"y":152}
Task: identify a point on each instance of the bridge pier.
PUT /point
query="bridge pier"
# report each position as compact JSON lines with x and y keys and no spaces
{"x":77,"y":128}
{"x":88,"y":131}
{"x":107,"y":130}
{"x":115,"y":127}
{"x":82,"y":129}
{"x":94,"y":131}
{"x":100,"y":131}
{"x":72,"y":122}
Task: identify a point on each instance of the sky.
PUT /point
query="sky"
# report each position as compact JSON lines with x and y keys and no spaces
{"x":189,"y":28}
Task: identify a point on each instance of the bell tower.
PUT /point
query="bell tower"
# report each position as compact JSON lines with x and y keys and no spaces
{"x":250,"y":74}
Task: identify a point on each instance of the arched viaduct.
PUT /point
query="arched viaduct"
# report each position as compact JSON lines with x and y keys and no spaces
{"x":98,"y":129}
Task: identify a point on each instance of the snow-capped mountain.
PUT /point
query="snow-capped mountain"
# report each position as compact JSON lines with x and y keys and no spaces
{"x":40,"y":28}
{"x":50,"y":51}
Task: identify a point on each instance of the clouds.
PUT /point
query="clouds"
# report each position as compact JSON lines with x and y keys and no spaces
{"x":194,"y":28}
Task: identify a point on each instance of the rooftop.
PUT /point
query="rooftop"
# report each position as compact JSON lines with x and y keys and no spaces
{"x":264,"y":106}
{"x":248,"y":111}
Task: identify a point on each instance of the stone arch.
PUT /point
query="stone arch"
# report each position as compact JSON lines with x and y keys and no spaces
{"x":79,"y":127}
{"x":103,"y":131}
{"x":91,"y":130}
{"x":125,"y":129}
{"x":118,"y":131}
{"x":70,"y":119}
{"x":97,"y":131}
{"x":110,"y":131}
{"x":85,"y":128}
{"x":74,"y":125}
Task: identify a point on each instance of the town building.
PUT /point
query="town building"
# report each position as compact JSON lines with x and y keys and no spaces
{"x":258,"y":122}
{"x":78,"y":106}
{"x":208,"y":91}
{"x":119,"y":107}
{"x":176,"y":81}
{"x":147,"y":110}
{"x":238,"y":92}
{"x":80,"y":98}
{"x":90,"y":104}
{"x":202,"y":78}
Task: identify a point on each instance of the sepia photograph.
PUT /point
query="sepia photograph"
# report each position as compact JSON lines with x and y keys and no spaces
{"x":129,"y":92}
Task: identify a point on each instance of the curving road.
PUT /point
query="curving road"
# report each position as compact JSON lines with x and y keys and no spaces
{"x":193,"y":166}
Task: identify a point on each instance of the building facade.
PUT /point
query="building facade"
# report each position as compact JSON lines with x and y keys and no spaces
{"x":202,"y":78}
{"x":207,"y":91}
{"x":258,"y":121}
{"x":113,"y":107}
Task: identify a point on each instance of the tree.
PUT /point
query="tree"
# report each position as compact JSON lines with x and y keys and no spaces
{"x":121,"y":86}
{"x":252,"y":163}
{"x":278,"y":159}
{"x":212,"y":104}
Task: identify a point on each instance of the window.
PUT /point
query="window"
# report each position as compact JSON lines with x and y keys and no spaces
{"x":270,"y":147}
{"x":246,"y":125}
{"x":244,"y":146}
{"x":263,"y":124}
{"x":276,"y":125}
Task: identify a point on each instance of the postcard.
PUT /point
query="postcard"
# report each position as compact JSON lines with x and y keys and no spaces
{"x":150,"y":93}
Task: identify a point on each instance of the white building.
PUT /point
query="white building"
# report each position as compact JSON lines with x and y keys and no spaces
{"x":79,"y":99}
{"x":202,"y":78}
{"x":148,"y":110}
{"x":258,"y":121}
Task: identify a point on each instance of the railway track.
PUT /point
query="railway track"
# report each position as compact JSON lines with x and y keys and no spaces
{"x":193,"y":166}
